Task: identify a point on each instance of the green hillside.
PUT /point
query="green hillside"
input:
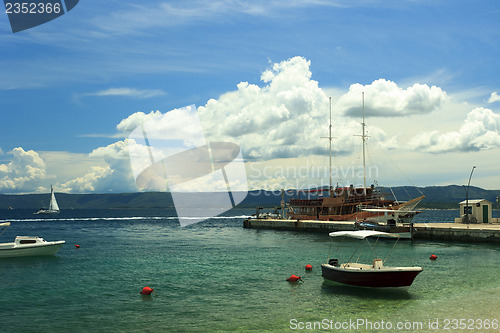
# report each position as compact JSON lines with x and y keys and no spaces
{"x":435,"y":197}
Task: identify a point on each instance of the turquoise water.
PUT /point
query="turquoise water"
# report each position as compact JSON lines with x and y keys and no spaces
{"x":217,"y":276}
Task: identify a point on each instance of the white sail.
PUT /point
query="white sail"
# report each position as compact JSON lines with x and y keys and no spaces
{"x":53,"y":206}
{"x":53,"y":202}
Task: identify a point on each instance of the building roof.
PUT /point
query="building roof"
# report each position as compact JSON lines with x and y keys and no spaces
{"x":474,"y":201}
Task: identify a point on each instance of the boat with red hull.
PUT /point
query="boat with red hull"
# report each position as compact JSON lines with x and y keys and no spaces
{"x":375,"y":275}
{"x":387,"y":277}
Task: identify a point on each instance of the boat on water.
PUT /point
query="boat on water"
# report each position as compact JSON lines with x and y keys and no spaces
{"x":351,"y":203}
{"x":53,"y":206}
{"x":28,"y":246}
{"x":373,"y":275}
{"x":403,"y":230}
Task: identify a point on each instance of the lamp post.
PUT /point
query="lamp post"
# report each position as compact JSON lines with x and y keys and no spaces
{"x":467,"y":197}
{"x":498,"y":209}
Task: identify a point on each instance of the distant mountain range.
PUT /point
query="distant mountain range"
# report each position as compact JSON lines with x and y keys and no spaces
{"x":443,"y":196}
{"x":435,"y":197}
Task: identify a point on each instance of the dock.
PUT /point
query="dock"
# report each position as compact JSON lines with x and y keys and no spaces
{"x":458,"y":232}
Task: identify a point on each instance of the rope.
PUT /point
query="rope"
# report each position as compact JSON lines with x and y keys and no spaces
{"x":5,"y":229}
{"x":388,"y":254}
{"x":396,"y":199}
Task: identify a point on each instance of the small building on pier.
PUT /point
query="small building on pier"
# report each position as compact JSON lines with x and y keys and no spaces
{"x":477,"y":211}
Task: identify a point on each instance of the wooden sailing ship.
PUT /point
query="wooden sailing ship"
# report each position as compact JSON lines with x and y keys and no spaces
{"x":351,"y":204}
{"x":361,"y":204}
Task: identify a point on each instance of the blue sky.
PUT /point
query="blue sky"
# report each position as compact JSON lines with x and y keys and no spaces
{"x":429,"y":69}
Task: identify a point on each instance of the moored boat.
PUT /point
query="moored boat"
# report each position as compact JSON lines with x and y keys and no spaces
{"x":403,"y":231}
{"x":352,"y":203}
{"x":28,"y":246}
{"x":347,"y":204}
{"x":375,"y":274}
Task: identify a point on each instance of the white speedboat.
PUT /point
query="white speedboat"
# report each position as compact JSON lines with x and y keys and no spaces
{"x":28,"y":246}
{"x":53,"y":206}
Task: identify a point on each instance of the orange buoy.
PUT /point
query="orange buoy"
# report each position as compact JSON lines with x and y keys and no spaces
{"x":433,"y":257}
{"x":77,"y":246}
{"x":309,"y":267}
{"x":294,"y":278}
{"x":146,"y":291}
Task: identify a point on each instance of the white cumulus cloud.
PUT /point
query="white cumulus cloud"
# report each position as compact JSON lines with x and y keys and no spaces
{"x":480,"y":130}
{"x":494,"y":97}
{"x":385,"y":98}
{"x":288,"y":114}
{"x":23,"y":173}
{"x":89,"y":182}
{"x":178,"y":124}
{"x":111,"y":172}
{"x":137,"y":119}
{"x":285,"y":117}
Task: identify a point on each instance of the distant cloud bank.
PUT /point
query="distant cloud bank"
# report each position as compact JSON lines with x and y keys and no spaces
{"x":481,"y":130}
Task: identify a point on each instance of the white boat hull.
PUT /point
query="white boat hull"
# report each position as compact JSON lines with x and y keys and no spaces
{"x":47,"y":211}
{"x":37,"y":247}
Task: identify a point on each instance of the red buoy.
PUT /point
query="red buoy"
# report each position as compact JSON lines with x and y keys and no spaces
{"x":77,"y":246}
{"x":309,"y":267}
{"x":294,"y":278}
{"x":146,"y":291}
{"x":433,"y":257}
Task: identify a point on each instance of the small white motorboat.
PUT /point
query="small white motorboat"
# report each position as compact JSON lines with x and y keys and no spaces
{"x":28,"y":246}
{"x":374,"y":275}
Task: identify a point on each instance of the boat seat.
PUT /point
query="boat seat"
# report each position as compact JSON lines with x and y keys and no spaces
{"x":333,"y":262}
{"x":377,"y":263}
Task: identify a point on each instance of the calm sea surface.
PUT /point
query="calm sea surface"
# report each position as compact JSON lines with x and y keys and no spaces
{"x":216,"y":276}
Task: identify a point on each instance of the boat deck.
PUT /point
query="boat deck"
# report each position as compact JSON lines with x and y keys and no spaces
{"x":355,"y":265}
{"x":7,"y":245}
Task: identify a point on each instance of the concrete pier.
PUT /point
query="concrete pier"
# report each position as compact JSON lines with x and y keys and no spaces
{"x":458,"y":232}
{"x":475,"y":233}
{"x":301,"y":225}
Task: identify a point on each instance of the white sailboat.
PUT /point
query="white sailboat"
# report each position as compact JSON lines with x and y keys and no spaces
{"x":53,"y":206}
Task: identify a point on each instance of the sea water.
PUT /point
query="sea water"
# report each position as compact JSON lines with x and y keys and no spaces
{"x":216,"y":276}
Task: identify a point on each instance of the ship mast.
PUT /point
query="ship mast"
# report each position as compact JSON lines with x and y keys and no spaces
{"x":363,"y":137}
{"x":330,"y":138}
{"x":364,"y":141}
